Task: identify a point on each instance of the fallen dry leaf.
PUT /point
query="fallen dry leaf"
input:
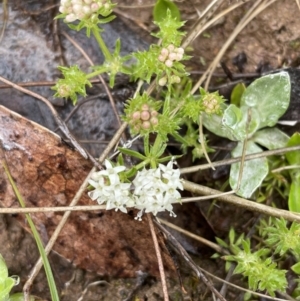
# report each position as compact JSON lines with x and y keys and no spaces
{"x":48,"y":173}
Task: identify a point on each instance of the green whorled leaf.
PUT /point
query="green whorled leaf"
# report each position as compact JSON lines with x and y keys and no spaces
{"x":160,"y":10}
{"x":131,"y":153}
{"x":236,"y":94}
{"x":293,"y":157}
{"x":270,"y":95}
{"x":231,"y":236}
{"x":254,"y":171}
{"x":296,"y":268}
{"x":221,"y":242}
{"x":241,"y":122}
{"x":294,"y":196}
{"x":271,"y":138}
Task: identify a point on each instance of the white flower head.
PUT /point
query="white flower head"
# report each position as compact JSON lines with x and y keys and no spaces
{"x":152,"y":190}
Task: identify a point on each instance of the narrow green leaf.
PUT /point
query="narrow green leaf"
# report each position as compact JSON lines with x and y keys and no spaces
{"x":296,"y":268}
{"x":236,"y":94}
{"x":294,"y":196}
{"x":221,"y":242}
{"x":231,"y":236}
{"x":131,"y":153}
{"x":293,"y":157}
{"x":47,"y":267}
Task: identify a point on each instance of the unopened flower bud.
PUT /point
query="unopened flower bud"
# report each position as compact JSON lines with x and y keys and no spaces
{"x":169,"y":63}
{"x":62,"y":9}
{"x":107,"y":6}
{"x":164,"y":52}
{"x":161,"y":58}
{"x":145,"y":107}
{"x":86,"y":10}
{"x":162,"y":82}
{"x":145,"y":115}
{"x":154,"y":113}
{"x":77,"y":8}
{"x":180,"y":50}
{"x":154,"y":121}
{"x":70,"y":18}
{"x":94,"y":7}
{"x":172,"y":56}
{"x":146,"y":125}
{"x":179,"y":56}
{"x":136,"y":115}
{"x":171,"y":47}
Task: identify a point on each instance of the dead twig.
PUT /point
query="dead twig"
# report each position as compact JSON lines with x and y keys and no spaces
{"x":159,"y":258}
{"x":181,"y":251}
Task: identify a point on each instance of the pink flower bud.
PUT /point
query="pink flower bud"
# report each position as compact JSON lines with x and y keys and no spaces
{"x":154,"y":113}
{"x":172,"y":56}
{"x":145,"y":115}
{"x":171,"y":47}
{"x":161,"y":58}
{"x":164,"y":52}
{"x":136,"y":115}
{"x":94,"y":7}
{"x":145,"y":107}
{"x":169,"y":63}
{"x":154,"y":121}
{"x":146,"y":125}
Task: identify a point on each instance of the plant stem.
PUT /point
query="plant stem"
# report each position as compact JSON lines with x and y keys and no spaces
{"x":102,"y":45}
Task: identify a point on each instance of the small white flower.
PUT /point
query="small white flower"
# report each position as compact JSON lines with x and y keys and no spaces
{"x":112,"y":172}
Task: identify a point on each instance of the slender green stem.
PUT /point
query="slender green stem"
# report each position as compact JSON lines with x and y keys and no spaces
{"x":142,"y":164}
{"x":96,"y":73}
{"x":102,"y":45}
{"x":180,"y":139}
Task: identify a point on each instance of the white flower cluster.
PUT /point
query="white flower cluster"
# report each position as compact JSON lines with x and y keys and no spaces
{"x":154,"y":190}
{"x":81,"y":9}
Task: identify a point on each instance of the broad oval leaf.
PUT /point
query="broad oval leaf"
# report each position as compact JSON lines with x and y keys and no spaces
{"x":3,"y":269}
{"x":271,"y":138}
{"x":270,"y":95}
{"x":160,"y":10}
{"x":254,"y":171}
